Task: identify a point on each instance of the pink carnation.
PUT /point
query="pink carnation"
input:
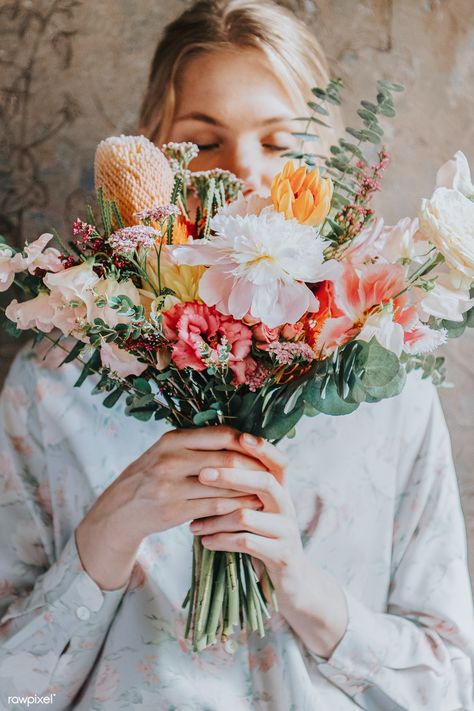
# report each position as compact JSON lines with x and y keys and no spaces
{"x":192,"y":326}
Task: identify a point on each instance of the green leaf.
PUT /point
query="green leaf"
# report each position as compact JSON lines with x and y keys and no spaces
{"x":387,"y":110}
{"x":113,"y":398}
{"x":367,"y":115}
{"x":74,"y":352}
{"x":374,"y":365}
{"x":317,"y":108}
{"x":280,"y":424}
{"x":371,"y":136}
{"x":312,"y":119}
{"x":390,"y":85}
{"x":331,"y":403}
{"x":142,"y":385}
{"x":89,"y":368}
{"x":203,"y":418}
{"x":305,"y":136}
{"x":454,"y":329}
{"x":370,"y":106}
{"x":356,"y":132}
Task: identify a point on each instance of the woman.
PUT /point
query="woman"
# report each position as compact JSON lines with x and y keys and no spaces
{"x":357,"y":519}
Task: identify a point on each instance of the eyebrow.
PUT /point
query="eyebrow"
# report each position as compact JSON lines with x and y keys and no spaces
{"x":205,"y":118}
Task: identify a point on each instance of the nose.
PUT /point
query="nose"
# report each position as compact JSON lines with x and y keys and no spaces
{"x":244,"y":163}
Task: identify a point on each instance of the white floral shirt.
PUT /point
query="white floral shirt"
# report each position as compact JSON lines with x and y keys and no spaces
{"x":377,"y":504}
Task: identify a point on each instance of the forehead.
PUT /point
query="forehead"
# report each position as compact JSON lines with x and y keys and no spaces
{"x":233,"y":86}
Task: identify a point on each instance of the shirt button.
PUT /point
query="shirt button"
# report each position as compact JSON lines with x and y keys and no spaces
{"x":230,"y":646}
{"x":83,"y":613}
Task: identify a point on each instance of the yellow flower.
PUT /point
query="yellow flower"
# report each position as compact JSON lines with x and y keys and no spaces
{"x":183,"y":280}
{"x":302,"y":194}
{"x":134,"y":173}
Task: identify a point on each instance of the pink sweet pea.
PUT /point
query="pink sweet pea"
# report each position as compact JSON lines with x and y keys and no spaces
{"x":120,"y":361}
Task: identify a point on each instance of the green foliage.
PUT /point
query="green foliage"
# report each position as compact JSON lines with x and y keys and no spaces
{"x":431,"y":365}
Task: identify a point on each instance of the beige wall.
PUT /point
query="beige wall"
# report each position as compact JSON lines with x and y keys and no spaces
{"x":77,"y":76}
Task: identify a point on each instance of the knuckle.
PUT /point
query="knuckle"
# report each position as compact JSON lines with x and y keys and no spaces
{"x":220,"y":506}
{"x":243,"y":542}
{"x":231,"y":460}
{"x":242,"y":516}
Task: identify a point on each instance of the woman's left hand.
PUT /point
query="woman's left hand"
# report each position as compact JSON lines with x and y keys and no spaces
{"x":309,"y":598}
{"x":270,"y":534}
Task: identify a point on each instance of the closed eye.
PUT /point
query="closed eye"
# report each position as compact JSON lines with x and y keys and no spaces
{"x":273,"y":147}
{"x":207,"y":146}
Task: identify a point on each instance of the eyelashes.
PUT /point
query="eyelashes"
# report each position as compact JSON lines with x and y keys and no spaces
{"x":203,"y":147}
{"x":206,"y":147}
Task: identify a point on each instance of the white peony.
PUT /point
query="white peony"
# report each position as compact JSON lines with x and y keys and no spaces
{"x":447,"y":220}
{"x":258,"y":265}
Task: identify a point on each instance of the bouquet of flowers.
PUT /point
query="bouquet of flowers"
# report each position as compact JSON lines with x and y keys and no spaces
{"x":203,"y":306}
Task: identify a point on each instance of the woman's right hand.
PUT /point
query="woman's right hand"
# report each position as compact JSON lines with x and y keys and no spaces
{"x":157,"y":491}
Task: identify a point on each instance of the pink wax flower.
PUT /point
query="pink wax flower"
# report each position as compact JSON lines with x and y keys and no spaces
{"x":193,"y":327}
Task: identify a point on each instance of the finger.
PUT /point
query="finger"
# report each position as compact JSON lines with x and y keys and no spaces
{"x":271,"y":525}
{"x":267,"y":550}
{"x":274,"y":497}
{"x":203,"y":438}
{"x":193,"y":489}
{"x":272,"y":458}
{"x":182,"y":463}
{"x":199,"y":508}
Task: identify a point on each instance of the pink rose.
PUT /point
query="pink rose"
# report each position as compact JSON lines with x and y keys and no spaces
{"x":264,"y":334}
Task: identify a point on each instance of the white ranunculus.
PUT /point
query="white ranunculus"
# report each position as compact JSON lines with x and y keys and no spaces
{"x":455,"y":173}
{"x":447,"y":220}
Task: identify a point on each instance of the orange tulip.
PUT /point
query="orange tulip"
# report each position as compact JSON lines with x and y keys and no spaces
{"x":302,"y":194}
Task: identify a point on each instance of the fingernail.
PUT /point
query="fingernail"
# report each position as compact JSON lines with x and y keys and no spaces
{"x":209,"y":474}
{"x":195,"y":526}
{"x":250,"y":440}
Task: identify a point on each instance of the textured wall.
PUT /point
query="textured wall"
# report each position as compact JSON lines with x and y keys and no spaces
{"x":73,"y":72}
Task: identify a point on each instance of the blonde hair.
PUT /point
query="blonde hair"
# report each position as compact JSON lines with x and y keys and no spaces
{"x":210,"y":25}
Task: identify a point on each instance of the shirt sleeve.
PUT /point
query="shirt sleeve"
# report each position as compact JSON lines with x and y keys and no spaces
{"x":420,"y":653}
{"x":53,"y":616}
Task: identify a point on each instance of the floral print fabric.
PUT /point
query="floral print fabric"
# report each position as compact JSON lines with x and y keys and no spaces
{"x":377,"y":504}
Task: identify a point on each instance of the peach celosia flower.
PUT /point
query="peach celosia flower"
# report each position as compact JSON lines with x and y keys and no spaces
{"x":302,"y":194}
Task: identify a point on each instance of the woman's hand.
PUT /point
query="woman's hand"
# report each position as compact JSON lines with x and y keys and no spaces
{"x":157,"y":491}
{"x":309,"y":598}
{"x":270,"y":534}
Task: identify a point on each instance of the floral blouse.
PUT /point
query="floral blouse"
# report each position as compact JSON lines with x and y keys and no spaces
{"x":377,"y":505}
